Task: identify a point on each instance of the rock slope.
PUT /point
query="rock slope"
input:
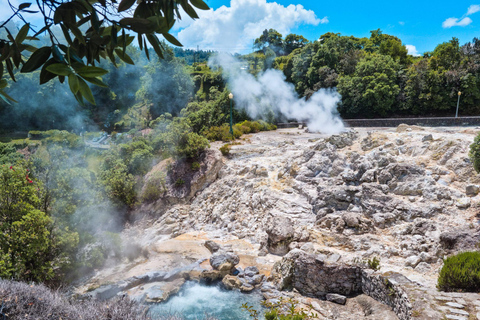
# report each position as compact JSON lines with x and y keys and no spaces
{"x":407,"y":195}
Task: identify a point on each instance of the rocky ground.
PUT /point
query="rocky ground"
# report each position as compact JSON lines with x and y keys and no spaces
{"x":406,"y":195}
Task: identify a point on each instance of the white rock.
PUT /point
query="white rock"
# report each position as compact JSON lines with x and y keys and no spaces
{"x":412,"y":261}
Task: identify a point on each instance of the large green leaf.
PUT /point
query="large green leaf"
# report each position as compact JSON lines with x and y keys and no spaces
{"x":189,"y":10}
{"x":172,"y":39}
{"x":4,"y":94}
{"x":73,"y":83}
{"x":125,"y":5}
{"x":152,"y":38}
{"x":45,"y":75}
{"x":123,"y":56}
{"x":24,"y":5}
{"x":22,"y":34}
{"x":60,"y":69}
{"x":88,"y":71}
{"x":3,"y":83}
{"x":139,"y":25}
{"x":200,"y":4}
{"x":96,"y":81}
{"x":84,"y":89}
{"x":9,"y":65}
{"x":77,"y":33}
{"x":37,"y":59}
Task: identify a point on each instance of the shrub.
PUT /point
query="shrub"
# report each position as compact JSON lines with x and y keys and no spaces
{"x":9,"y":154}
{"x":118,"y":182}
{"x":154,"y":187}
{"x":460,"y":272}
{"x":281,"y":310}
{"x":176,"y":138}
{"x":180,"y":182}
{"x":222,"y":133}
{"x":24,"y":301}
{"x":63,"y":138}
{"x":474,"y":153}
{"x":225,"y":149}
{"x":195,"y":166}
{"x":374,"y":263}
{"x":138,"y":156}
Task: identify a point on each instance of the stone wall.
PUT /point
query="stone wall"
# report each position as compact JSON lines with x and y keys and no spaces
{"x":394,"y":122}
{"x":387,"y":289}
{"x":314,"y":277}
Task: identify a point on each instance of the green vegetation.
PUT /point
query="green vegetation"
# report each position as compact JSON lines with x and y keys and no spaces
{"x":180,"y":182}
{"x":460,"y":272}
{"x":25,"y":242}
{"x":225,"y":149}
{"x":155,"y":186}
{"x":195,"y":166}
{"x":474,"y":153}
{"x":376,"y":77}
{"x":373,"y":263}
{"x":34,"y":301}
{"x":222,"y":133}
{"x":282,"y":310}
{"x":74,"y":59}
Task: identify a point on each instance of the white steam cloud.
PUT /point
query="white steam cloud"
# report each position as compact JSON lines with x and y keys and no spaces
{"x":270,"y":91}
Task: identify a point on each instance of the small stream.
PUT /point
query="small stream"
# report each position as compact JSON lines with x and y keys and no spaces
{"x":196,"y":300}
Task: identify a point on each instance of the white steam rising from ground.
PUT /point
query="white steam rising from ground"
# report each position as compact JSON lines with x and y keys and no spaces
{"x":270,"y":91}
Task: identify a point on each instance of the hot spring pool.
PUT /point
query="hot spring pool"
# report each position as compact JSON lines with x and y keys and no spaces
{"x":195,"y":300}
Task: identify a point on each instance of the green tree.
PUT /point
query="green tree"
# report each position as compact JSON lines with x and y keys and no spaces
{"x":372,"y":89}
{"x":448,"y":55}
{"x":269,"y":39}
{"x":118,"y":182}
{"x":175,"y":138}
{"x":389,"y":45}
{"x":293,"y":41}
{"x":166,"y":86}
{"x":25,"y":238}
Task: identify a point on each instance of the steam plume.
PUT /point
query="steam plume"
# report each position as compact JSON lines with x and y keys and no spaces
{"x":270,"y":91}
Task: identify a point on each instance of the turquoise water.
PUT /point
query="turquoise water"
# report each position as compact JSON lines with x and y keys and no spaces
{"x":195,"y":300}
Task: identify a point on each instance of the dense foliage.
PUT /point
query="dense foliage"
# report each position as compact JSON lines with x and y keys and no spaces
{"x":461,"y":272}
{"x":376,"y":77}
{"x":75,"y":56}
{"x":25,"y":237}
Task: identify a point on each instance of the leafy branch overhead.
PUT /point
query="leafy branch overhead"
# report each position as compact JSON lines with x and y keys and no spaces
{"x":93,"y":30}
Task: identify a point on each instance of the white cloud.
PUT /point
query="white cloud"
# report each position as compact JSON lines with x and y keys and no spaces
{"x":464,"y":20}
{"x":455,"y":22}
{"x":472,"y":9}
{"x":324,"y":20}
{"x":412,"y":50}
{"x":234,"y":28}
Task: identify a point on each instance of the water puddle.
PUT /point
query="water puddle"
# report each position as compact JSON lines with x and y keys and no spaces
{"x":196,"y":300}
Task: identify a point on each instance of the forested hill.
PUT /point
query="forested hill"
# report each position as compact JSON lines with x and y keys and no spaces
{"x":377,"y":77}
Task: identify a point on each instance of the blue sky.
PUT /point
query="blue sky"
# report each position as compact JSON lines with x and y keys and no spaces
{"x":232,"y":25}
{"x":422,"y":24}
